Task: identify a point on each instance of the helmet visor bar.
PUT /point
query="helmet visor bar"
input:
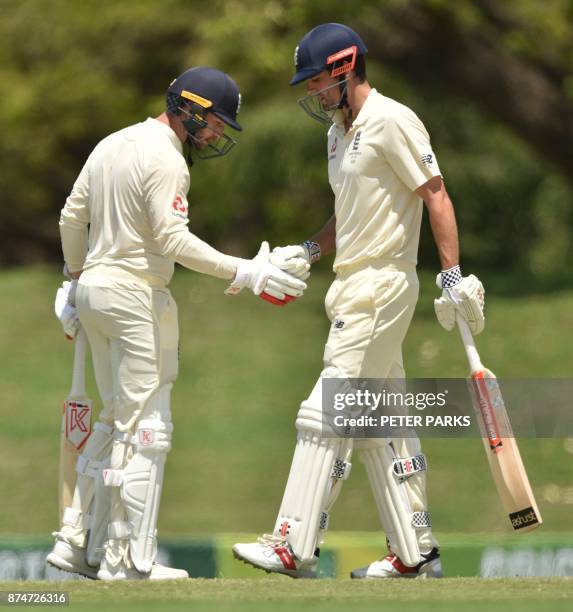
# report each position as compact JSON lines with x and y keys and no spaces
{"x":217,"y":148}
{"x":205,"y":149}
{"x":313,"y":106}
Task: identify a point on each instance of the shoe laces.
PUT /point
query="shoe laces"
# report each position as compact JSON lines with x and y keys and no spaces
{"x":269,"y":539}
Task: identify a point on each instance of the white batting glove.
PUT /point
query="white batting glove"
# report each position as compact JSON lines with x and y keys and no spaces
{"x":461,"y":295}
{"x":66,"y":311}
{"x":293,"y":259}
{"x":260,"y":276}
{"x":297,"y":258}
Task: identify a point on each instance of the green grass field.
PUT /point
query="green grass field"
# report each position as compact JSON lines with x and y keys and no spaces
{"x":245,"y":367}
{"x":281,"y":593}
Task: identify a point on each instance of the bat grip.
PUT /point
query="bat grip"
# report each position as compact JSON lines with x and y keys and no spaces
{"x":78,"y":375}
{"x":469,"y":345}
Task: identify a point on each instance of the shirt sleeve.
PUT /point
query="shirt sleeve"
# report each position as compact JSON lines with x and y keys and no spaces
{"x":166,"y":187}
{"x":406,"y":145}
{"x":74,"y":221}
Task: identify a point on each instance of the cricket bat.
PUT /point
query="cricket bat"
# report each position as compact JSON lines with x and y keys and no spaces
{"x":499,"y":442}
{"x":76,"y":424}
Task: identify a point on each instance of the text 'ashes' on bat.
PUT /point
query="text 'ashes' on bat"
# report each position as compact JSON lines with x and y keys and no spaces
{"x":76,"y":424}
{"x":500,"y":445}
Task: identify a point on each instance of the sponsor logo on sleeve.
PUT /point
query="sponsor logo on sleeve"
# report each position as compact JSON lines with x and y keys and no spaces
{"x":179,"y":207}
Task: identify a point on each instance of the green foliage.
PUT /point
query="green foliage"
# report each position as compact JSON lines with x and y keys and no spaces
{"x":72,"y":72}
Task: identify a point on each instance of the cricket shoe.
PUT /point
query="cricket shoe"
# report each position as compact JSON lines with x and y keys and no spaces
{"x":121,"y":571}
{"x":117,"y":565}
{"x":392,"y":567}
{"x":70,"y":558}
{"x":274,"y":554}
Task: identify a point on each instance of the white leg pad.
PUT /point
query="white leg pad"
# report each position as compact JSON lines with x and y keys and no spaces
{"x":314,"y":478}
{"x":78,"y":518}
{"x":141,"y":480}
{"x":100,"y":511}
{"x":389,"y":476}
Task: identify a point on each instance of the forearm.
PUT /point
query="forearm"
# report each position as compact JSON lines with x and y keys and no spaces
{"x":190,"y":251}
{"x":326,"y":237}
{"x":445,"y":231}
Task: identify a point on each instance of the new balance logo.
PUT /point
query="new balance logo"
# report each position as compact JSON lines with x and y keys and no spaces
{"x":427,"y":159}
{"x":338,"y":324}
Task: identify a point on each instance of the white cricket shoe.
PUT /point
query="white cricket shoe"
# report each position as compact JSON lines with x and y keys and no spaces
{"x":70,"y":558}
{"x":392,"y":567}
{"x":274,"y":554}
{"x":120,"y":571}
{"x":117,"y":565}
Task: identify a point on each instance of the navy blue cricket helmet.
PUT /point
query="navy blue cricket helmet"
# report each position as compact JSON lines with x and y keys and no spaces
{"x":211,"y":89}
{"x":318,"y":49}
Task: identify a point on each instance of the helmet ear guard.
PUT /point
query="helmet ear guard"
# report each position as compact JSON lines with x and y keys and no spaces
{"x":345,"y":67}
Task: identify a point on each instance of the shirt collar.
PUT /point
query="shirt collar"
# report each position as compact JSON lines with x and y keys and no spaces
{"x":364,"y":113}
{"x":165,"y":129}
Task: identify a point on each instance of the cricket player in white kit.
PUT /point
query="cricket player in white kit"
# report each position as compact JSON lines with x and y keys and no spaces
{"x":132,"y":193}
{"x":381,"y":167}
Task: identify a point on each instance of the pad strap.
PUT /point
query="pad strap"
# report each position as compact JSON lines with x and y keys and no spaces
{"x":107,"y":429}
{"x":404,"y":468}
{"x":88,"y":467}
{"x":118,"y":530}
{"x":341,"y":469}
{"x":112,"y":478}
{"x":76,"y":518}
{"x":421,"y":520}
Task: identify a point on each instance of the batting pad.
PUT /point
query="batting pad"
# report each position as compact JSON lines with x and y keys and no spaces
{"x":392,"y":479}
{"x":77,"y":519}
{"x":306,"y":493}
{"x":318,"y":466}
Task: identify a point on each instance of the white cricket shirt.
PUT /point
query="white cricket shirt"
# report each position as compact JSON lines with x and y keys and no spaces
{"x":132,"y":192}
{"x":374,"y":170}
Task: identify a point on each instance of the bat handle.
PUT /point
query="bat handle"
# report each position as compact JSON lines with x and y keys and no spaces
{"x":469,"y":345}
{"x":79,"y":373}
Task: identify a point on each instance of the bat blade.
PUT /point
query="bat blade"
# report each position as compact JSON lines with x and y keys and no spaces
{"x":503,"y":453}
{"x":76,"y":425}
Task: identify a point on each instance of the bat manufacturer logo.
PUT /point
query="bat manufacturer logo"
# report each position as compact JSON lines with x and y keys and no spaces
{"x":146,"y":437}
{"x":78,"y":417}
{"x":523,"y":518}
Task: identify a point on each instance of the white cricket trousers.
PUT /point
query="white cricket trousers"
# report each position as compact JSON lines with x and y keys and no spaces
{"x":133,"y":333}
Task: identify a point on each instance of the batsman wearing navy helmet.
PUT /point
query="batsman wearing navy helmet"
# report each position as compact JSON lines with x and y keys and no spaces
{"x":381,"y":167}
{"x":132,"y":193}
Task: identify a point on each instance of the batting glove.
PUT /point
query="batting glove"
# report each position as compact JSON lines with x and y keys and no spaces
{"x":265,"y":279}
{"x":463,"y":296}
{"x":65,"y":311}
